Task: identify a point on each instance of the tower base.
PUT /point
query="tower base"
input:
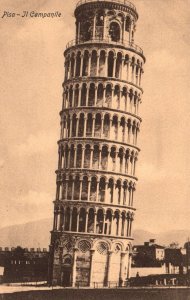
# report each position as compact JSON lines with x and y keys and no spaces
{"x":90,"y":261}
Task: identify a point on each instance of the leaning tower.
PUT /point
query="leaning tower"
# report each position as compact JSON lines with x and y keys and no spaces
{"x":91,"y":240}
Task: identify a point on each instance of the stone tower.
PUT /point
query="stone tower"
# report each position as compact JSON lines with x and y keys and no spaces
{"x":98,"y":152}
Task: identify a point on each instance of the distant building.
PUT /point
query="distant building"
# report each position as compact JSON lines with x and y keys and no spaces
{"x":187,"y":261}
{"x":23,"y":265}
{"x":154,"y":259}
{"x":148,"y":254}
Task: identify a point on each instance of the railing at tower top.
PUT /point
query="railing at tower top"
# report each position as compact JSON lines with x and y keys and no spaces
{"x":126,"y":44}
{"x":124,"y":2}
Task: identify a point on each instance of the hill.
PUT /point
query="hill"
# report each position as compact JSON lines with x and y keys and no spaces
{"x":37,"y":235}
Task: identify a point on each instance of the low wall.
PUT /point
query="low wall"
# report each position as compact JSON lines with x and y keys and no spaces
{"x":148,"y":271}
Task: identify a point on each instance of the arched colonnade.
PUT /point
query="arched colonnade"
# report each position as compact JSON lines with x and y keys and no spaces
{"x":94,"y":221}
{"x":109,"y":190}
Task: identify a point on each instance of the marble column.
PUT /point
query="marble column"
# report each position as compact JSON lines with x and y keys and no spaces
{"x":74,"y":267}
{"x":92,"y":251}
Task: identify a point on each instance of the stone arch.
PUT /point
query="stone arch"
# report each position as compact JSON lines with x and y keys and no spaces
{"x":87,"y":157}
{"x":74,"y":219}
{"x":86,"y":29}
{"x":104,"y":158}
{"x":102,"y":187}
{"x":85,"y":63}
{"x":110,"y":63}
{"x":78,"y":63}
{"x":108,"y":221}
{"x":93,"y":189}
{"x":102,"y":63}
{"x":67,"y":219}
{"x":82,"y":220}
{"x":115,"y":31}
{"x":93,"y":68}
{"x":118,"y":65}
{"x":77,"y":187}
{"x":116,"y":98}
{"x":79,"y":156}
{"x":70,"y":96}
{"x":98,"y":123}
{"x":99,"y":223}
{"x":91,"y":220}
{"x":108,"y":96}
{"x":128,"y":24}
{"x":84,"y":94}
{"x":91,"y":99}
{"x":84,"y":195}
{"x":89,"y":125}
{"x":81,"y":125}
{"x":70,"y":186}
{"x":72,"y":65}
{"x":74,"y":122}
{"x":106,"y":128}
{"x":95,"y":163}
{"x":100,"y":94}
{"x":76,"y":96}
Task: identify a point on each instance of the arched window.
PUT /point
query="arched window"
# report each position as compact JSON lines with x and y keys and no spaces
{"x":74,"y":122}
{"x":102,"y":63}
{"x":110,"y":63}
{"x":128,"y":24}
{"x":111,"y":189}
{"x":77,"y":188}
{"x":86,"y":30}
{"x":102,"y":190}
{"x":99,"y":225}
{"x":99,"y":24}
{"x":74,"y":220}
{"x":87,"y":156}
{"x":70,"y":184}
{"x":118,"y":65}
{"x":82,"y":220}
{"x":93,"y":189}
{"x":83,"y":95}
{"x":85,"y":64}
{"x":100,"y":95}
{"x":72,"y":153}
{"x":114,"y":31}
{"x":108,"y":220}
{"x":76,"y":97}
{"x":93,"y":63}
{"x":70,"y":96}
{"x":89,"y":125}
{"x":79,"y":156}
{"x":72,"y":65}
{"x":91,"y":216}
{"x":106,"y":126}
{"x":95,"y":157}
{"x":97,"y":125}
{"x":104,"y":158}
{"x":78,"y":64}
{"x":67,"y":219}
{"x":91,"y":98}
{"x":84,"y":195}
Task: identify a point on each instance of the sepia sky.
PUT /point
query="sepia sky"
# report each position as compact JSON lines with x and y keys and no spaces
{"x":31,"y":76}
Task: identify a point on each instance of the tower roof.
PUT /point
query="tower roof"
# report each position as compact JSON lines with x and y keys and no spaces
{"x":121,"y":2}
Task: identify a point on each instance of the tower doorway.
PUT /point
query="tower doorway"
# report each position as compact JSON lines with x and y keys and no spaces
{"x":66,"y":276}
{"x":66,"y":272}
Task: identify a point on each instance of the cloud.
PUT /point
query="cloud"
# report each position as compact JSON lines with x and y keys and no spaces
{"x":36,"y":144}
